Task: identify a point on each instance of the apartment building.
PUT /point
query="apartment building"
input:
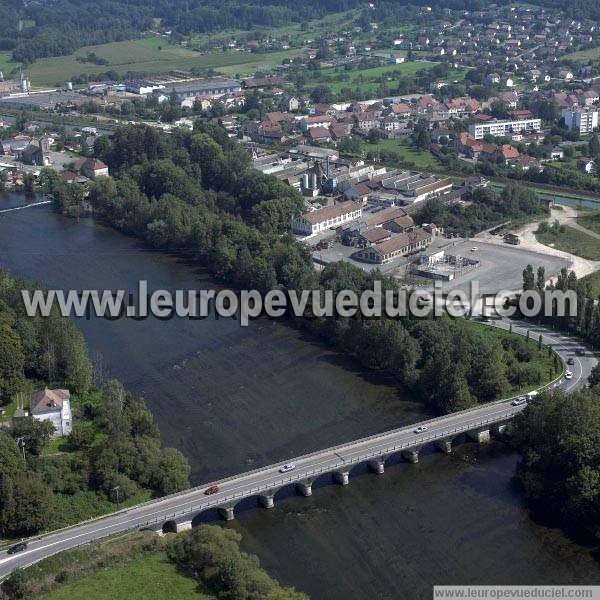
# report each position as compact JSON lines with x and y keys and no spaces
{"x":583,"y":120}
{"x":504,"y":128}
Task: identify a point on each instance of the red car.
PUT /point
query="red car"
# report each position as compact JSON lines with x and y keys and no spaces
{"x":213,"y":489}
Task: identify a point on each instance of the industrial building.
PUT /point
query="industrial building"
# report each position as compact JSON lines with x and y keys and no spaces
{"x":314,"y":222}
{"x":398,"y":246}
{"x":212,"y":88}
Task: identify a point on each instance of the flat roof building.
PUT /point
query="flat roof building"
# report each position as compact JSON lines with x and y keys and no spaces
{"x":504,"y":128}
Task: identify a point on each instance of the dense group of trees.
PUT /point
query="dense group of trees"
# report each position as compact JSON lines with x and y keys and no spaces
{"x":51,"y":349}
{"x":586,"y":323}
{"x":212,"y":555}
{"x":557,"y":436}
{"x":488,"y":208}
{"x":114,"y":443}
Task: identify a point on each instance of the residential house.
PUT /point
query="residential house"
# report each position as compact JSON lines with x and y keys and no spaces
{"x":53,"y":406}
{"x":93,"y":167}
{"x":587,"y":164}
{"x":33,"y":155}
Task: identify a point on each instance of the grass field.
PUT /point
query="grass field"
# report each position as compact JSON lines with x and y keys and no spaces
{"x":573,"y":241}
{"x":151,"y":578}
{"x":584,"y":55}
{"x":422,"y":160}
{"x":7,"y":64}
{"x":368,"y":80}
{"x":590,"y":220}
{"x":151,"y":55}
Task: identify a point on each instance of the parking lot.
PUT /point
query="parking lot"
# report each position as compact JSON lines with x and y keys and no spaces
{"x":501,"y":266}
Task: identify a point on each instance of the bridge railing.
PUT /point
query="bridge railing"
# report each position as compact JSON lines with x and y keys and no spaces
{"x":275,"y":485}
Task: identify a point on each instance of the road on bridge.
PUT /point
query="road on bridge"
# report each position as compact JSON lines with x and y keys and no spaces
{"x":184,"y":506}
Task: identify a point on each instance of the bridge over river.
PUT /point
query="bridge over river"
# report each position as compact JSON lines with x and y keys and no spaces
{"x":335,"y":464}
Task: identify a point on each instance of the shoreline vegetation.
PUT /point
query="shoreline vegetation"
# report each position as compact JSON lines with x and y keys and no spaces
{"x":46,"y":482}
{"x":203,"y":564}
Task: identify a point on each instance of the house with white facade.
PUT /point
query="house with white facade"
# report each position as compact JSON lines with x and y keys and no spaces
{"x":53,"y":406}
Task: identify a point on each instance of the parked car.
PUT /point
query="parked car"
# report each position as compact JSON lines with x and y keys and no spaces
{"x":287,"y":468}
{"x":571,"y":361}
{"x":213,"y":489}
{"x":17,"y":548}
{"x":421,"y":429}
{"x":568,"y":375}
{"x":518,"y":401}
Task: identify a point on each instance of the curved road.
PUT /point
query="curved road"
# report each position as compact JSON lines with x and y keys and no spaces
{"x":181,"y":508}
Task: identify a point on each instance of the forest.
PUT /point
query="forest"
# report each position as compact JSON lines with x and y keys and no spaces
{"x":559,"y":474}
{"x":114,"y":443}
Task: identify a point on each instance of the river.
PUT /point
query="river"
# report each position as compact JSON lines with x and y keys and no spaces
{"x":235,"y":398}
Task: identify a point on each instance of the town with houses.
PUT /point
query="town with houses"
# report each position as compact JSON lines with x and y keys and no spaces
{"x":494,"y":93}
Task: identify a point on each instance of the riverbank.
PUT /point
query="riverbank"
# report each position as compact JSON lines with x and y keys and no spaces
{"x":220,"y":394}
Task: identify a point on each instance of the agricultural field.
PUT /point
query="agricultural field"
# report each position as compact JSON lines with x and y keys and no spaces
{"x":151,"y":55}
{"x":296,"y":33}
{"x":369,"y":80}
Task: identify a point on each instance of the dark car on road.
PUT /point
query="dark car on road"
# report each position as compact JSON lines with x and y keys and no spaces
{"x":17,"y":548}
{"x":213,"y":489}
{"x":571,"y":361}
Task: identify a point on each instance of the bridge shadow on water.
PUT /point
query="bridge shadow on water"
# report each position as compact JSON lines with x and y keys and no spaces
{"x":290,"y":490}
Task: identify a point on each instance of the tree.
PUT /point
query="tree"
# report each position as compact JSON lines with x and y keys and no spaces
{"x":171,"y":473}
{"x":12,"y":359}
{"x":594,"y":147}
{"x":37,"y":434}
{"x":528,"y":278}
{"x":560,"y":468}
{"x":24,"y":504}
{"x":15,"y":586}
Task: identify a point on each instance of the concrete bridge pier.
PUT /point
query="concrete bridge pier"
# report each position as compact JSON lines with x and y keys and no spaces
{"x":498,"y":428}
{"x":184,"y":526}
{"x":444,"y":446}
{"x":342,"y":477}
{"x":266,"y":500}
{"x":411,"y":455}
{"x":481,"y":436}
{"x":305,"y":487}
{"x":377,"y":465}
{"x":226,"y":513}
